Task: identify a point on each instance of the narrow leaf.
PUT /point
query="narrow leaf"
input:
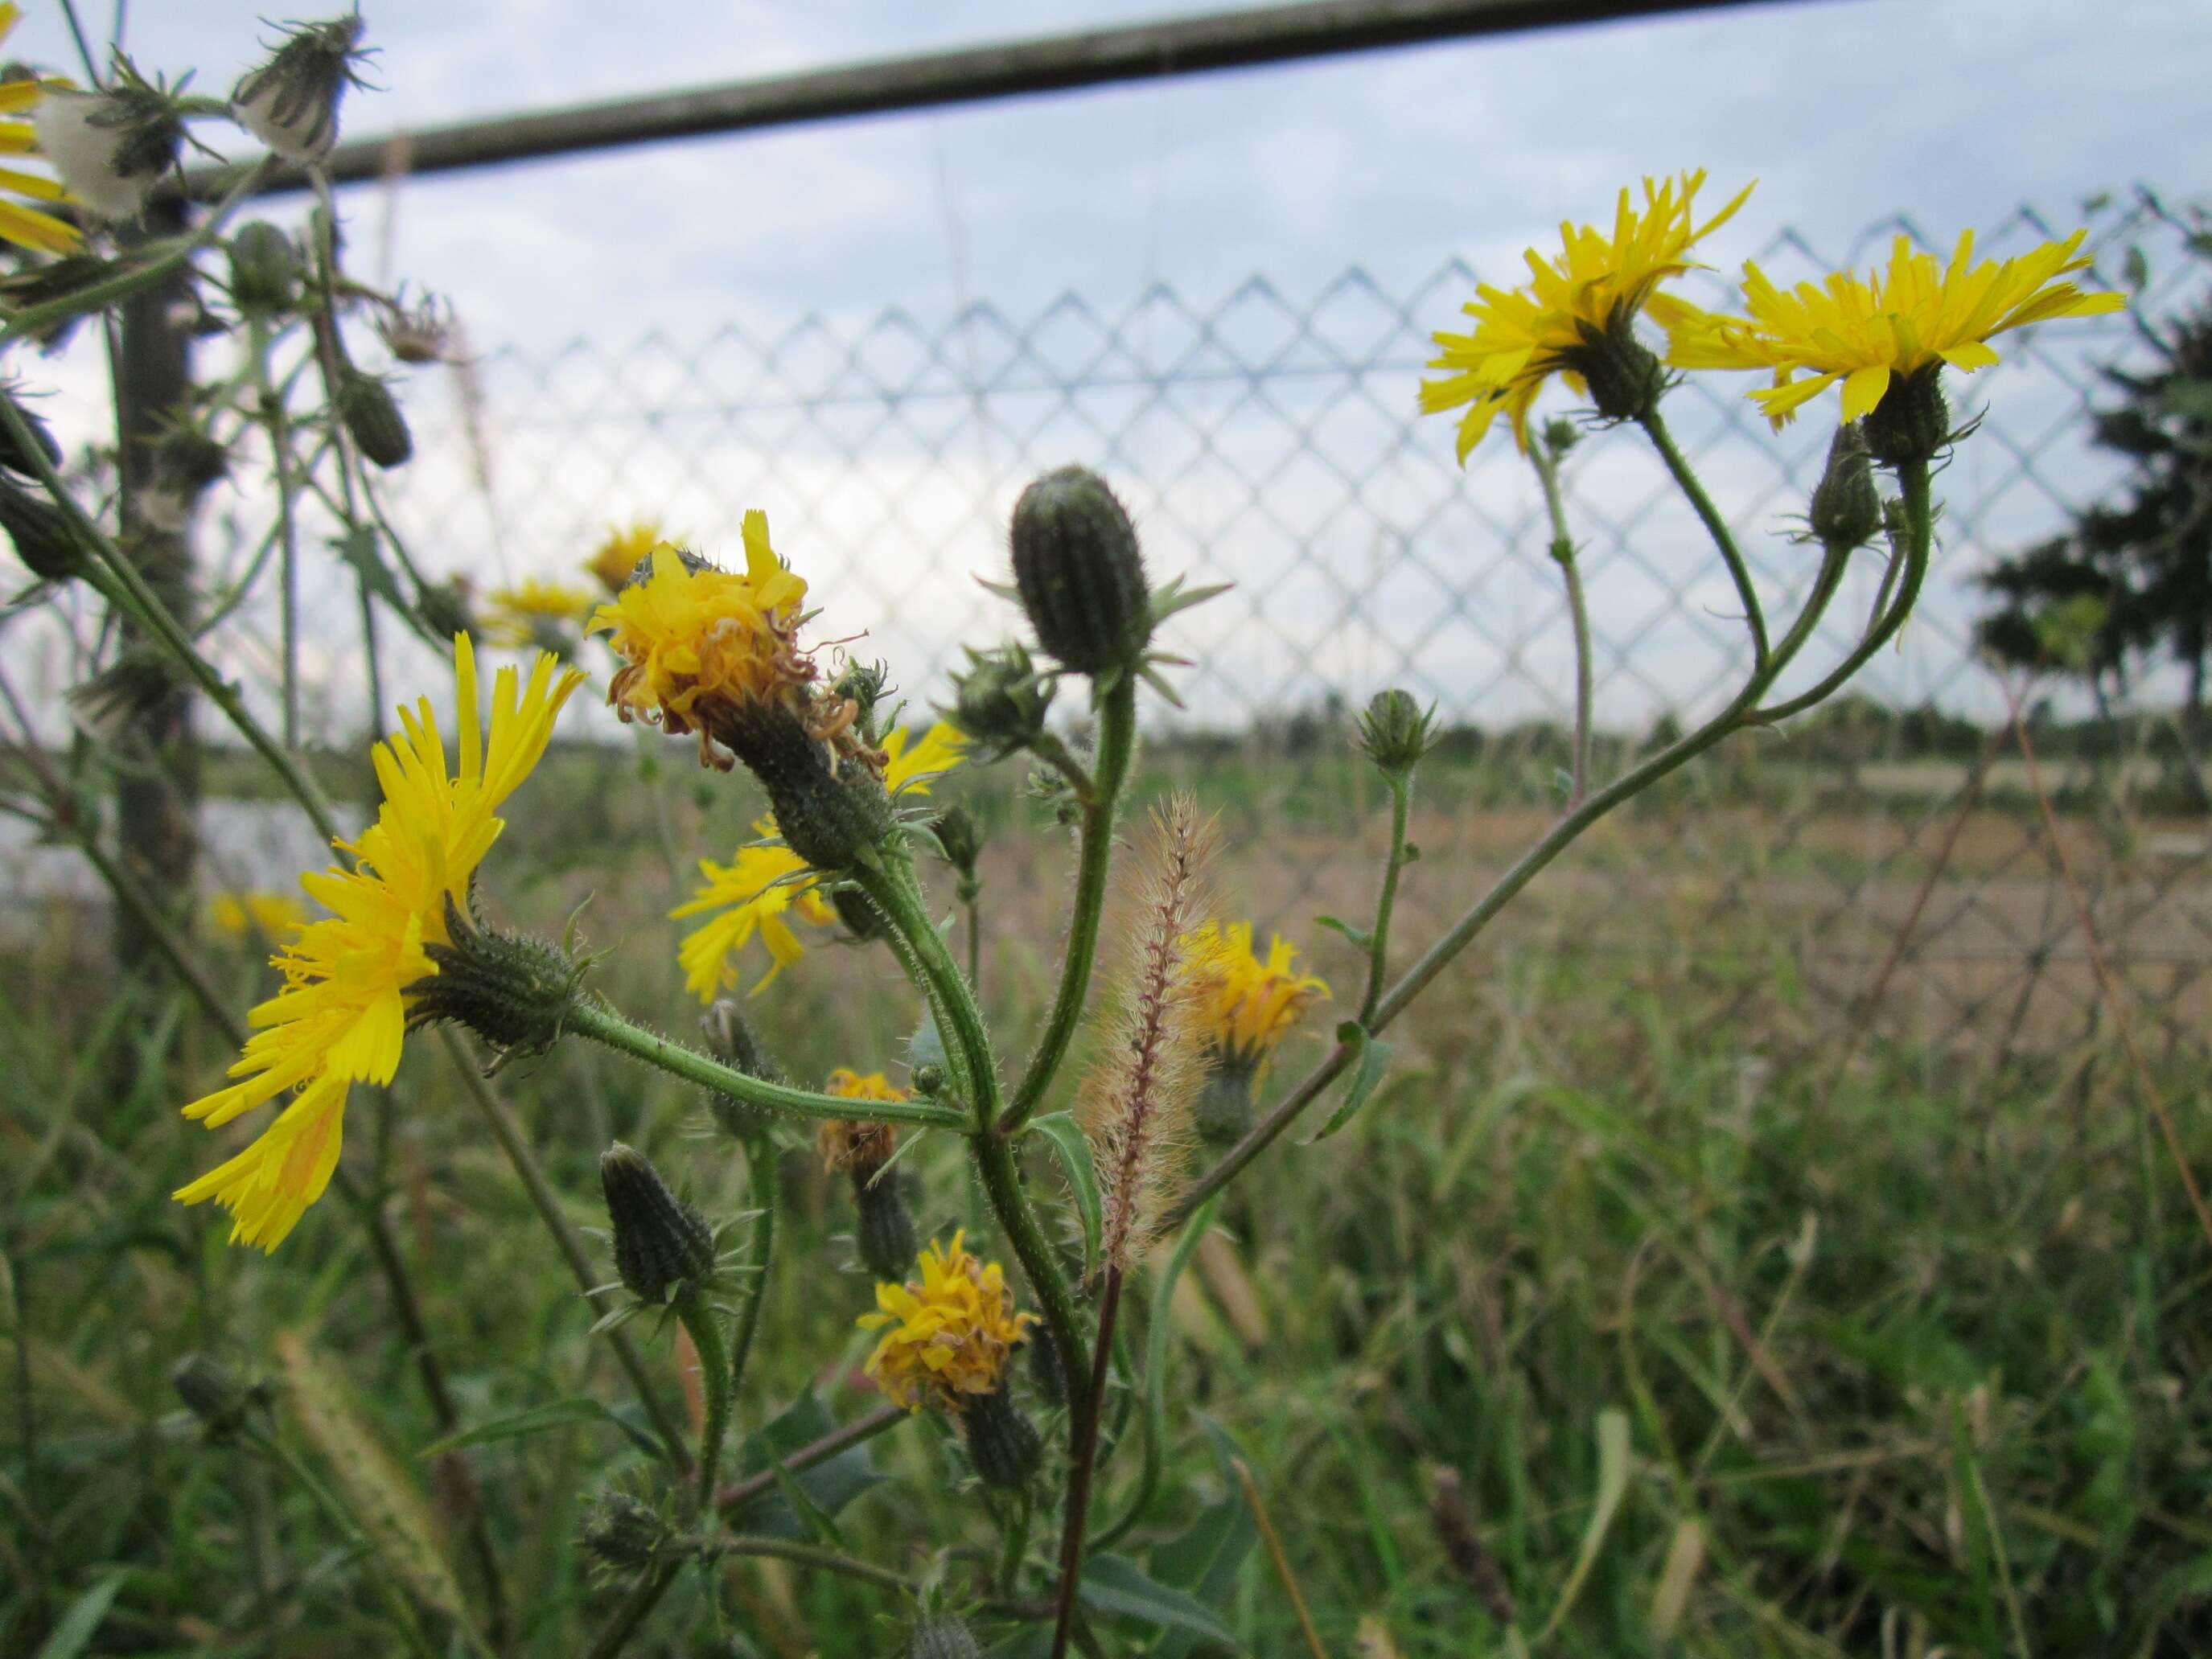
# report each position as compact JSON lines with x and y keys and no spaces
{"x":1074,"y":1149}
{"x":1612,"y":1486}
{"x":1360,"y":937}
{"x":536,"y":1419}
{"x":1116,"y":1585}
{"x":76,"y":1627}
{"x":1369,"y":1057}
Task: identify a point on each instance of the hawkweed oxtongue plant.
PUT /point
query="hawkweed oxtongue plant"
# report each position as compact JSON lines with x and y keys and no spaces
{"x":1189,"y":1077}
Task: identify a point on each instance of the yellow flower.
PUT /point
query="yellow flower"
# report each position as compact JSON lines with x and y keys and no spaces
{"x":688,"y":634}
{"x":1246,"y":1006}
{"x":1596,"y":283}
{"x":518,"y":616}
{"x":626,"y":547}
{"x":1862,"y":332}
{"x":265,"y":915}
{"x":868,"y":1145}
{"x":945,"y":1339}
{"x":911,"y":771}
{"x":752,"y":890}
{"x":27,"y":226}
{"x":343,"y":1011}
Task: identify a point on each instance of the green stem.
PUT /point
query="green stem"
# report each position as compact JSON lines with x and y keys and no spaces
{"x":1156,"y":1370}
{"x":810,"y":1555}
{"x":1546,"y":461}
{"x":1015,"y":1545}
{"x":1694,"y":490}
{"x":1117,"y":731}
{"x":1378,"y":944}
{"x":277,"y":419}
{"x":1919,"y":534}
{"x":705,"y":1327}
{"x":644,"y":1596}
{"x":760,"y":1176}
{"x":1002,"y":1186}
{"x":601,"y":1023}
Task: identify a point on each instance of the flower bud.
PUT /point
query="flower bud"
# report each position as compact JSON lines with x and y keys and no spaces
{"x":959,"y":839}
{"x":213,"y":1394}
{"x":14,"y":456}
{"x":832,"y":815}
{"x":44,"y":537}
{"x":109,"y":147}
{"x":291,"y":103}
{"x":1046,"y":1374}
{"x":884,"y":1232}
{"x":444,"y":608}
{"x":514,"y":992}
{"x":941,"y":1636}
{"x":420,"y":334}
{"x":661,"y":1243}
{"x":1081,"y":573}
{"x":864,"y":684}
{"x":1912,"y":421}
{"x":265,"y":272}
{"x":731,"y":1035}
{"x":57,"y":279}
{"x":1395,"y":732}
{"x":1846,"y":508}
{"x":999,"y":703}
{"x":624,"y":1533}
{"x":928,"y":1079}
{"x":855,"y":910}
{"x":1224,"y":1102}
{"x":1002,"y":1442}
{"x":372,"y":419}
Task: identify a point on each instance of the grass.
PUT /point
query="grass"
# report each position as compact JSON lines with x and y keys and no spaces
{"x":1908,"y":1343}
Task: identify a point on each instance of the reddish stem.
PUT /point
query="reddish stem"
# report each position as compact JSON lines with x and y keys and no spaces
{"x":1078,"y":1477}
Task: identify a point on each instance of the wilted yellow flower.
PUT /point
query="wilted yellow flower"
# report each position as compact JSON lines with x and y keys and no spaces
{"x":267,"y":915}
{"x":1596,"y":285}
{"x":342,"y":1012}
{"x":945,"y":1339}
{"x":27,"y":226}
{"x":847,"y":1143}
{"x":1864,"y":332}
{"x":911,"y":771}
{"x":1248,"y":1005}
{"x":627,"y":546}
{"x":518,"y":617}
{"x":753,"y":891}
{"x":688,"y":635}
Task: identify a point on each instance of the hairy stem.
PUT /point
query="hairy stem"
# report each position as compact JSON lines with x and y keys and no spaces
{"x":1693,"y":490}
{"x":1117,"y":730}
{"x":760,"y":1176}
{"x":705,"y":1327}
{"x":1084,"y":1458}
{"x":1378,"y":942}
{"x":602,"y":1024}
{"x":277,"y":419}
{"x":1546,"y":461}
{"x":644,"y":1596}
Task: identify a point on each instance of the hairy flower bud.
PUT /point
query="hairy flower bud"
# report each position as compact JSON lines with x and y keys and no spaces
{"x":1845,"y":511}
{"x":1912,"y":421}
{"x":661,"y":1243}
{"x":624,"y":1533}
{"x":1081,"y":573}
{"x":1395,"y":732}
{"x":514,"y":992}
{"x":110,"y":147}
{"x":14,"y":456}
{"x":291,"y":103}
{"x":1625,"y":378}
{"x":732,"y":1037}
{"x":941,"y":1636}
{"x":44,"y":537}
{"x":213,"y":1394}
{"x":372,"y":419}
{"x":834,"y":814}
{"x":1002,"y":1442}
{"x":264,"y":270}
{"x":999,"y":703}
{"x":1223,"y":1111}
{"x":884,"y":1231}
{"x":956,"y":835}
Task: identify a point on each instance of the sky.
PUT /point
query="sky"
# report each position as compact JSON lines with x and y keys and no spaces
{"x":1847,"y":112}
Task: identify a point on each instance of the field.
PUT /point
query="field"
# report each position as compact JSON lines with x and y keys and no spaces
{"x":1656,"y":1304}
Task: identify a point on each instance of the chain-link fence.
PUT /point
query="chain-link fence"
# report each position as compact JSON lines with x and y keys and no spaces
{"x":1270,"y":441}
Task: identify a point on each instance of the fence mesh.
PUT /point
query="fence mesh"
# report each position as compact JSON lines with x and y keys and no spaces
{"x":1271,"y":442}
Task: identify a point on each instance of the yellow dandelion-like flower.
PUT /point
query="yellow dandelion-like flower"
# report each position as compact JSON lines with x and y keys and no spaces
{"x":262,"y":915}
{"x":753,"y":891}
{"x":1865,"y":332}
{"x":519,"y":616}
{"x":626,"y":547}
{"x":911,"y":770}
{"x":846,"y":1143}
{"x":343,"y":1011}
{"x":946,"y":1339}
{"x":692,"y":635}
{"x":1595,"y":286}
{"x":1247,"y":1006}
{"x":27,"y":226}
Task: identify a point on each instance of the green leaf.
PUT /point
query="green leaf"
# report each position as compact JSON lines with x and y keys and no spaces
{"x":536,"y":1419}
{"x":1410,"y":853}
{"x":1074,"y":1148}
{"x":76,"y":1627}
{"x":1612,"y":1486}
{"x":1118,"y":1587}
{"x":1035,"y":1643}
{"x":827,"y":1487}
{"x":1368,"y":1060}
{"x":1208,"y":1555}
{"x":358,"y":548}
{"x":1360,"y":937}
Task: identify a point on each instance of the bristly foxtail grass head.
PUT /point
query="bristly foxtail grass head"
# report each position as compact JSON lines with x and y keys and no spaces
{"x":1137,"y":1103}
